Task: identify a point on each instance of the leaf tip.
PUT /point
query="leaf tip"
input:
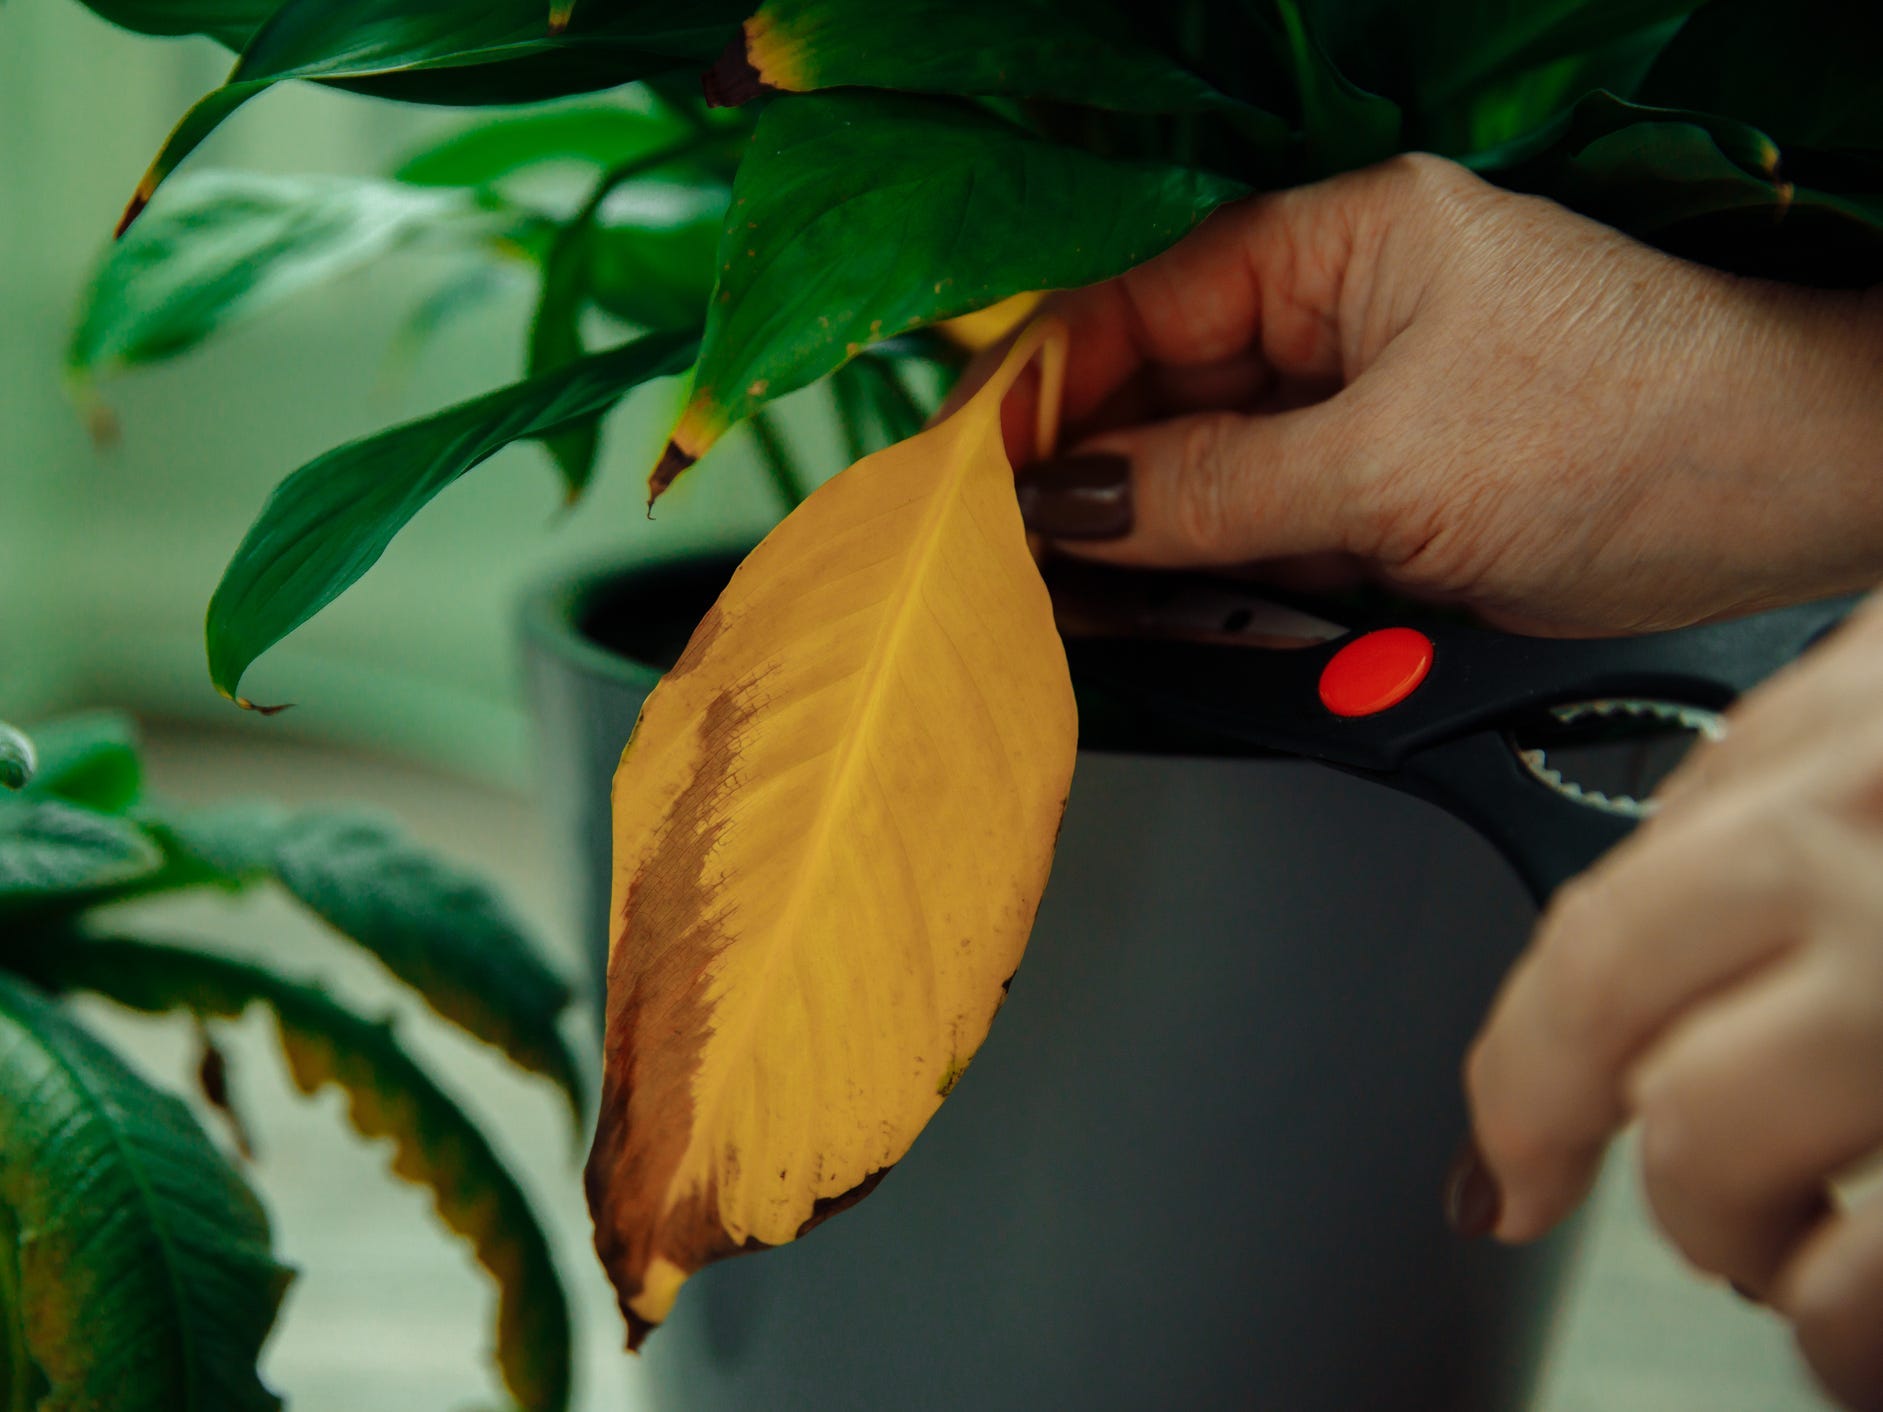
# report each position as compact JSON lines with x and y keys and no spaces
{"x":559,"y":15}
{"x":135,"y":206}
{"x":248,"y":705}
{"x":674,"y":460}
{"x":734,"y":79}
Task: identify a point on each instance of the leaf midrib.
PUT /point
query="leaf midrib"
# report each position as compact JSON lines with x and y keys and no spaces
{"x":843,"y":771}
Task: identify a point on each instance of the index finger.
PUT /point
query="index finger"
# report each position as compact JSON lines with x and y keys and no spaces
{"x":1261,"y":276}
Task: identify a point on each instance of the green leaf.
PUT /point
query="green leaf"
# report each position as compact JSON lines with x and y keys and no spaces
{"x":434,"y":1144}
{"x":556,"y":341}
{"x":591,"y":134}
{"x":89,"y":759}
{"x":1027,"y":48}
{"x":228,"y":22}
{"x":1345,"y":126}
{"x":328,"y":522}
{"x":51,"y":851}
{"x":859,"y":216}
{"x":1705,"y":187}
{"x":1436,"y":55}
{"x":222,"y":246}
{"x":441,"y":931}
{"x":651,"y":259}
{"x":17,"y":758}
{"x":497,"y":51}
{"x":226,"y":845}
{"x":1808,"y":72}
{"x":145,"y":1267}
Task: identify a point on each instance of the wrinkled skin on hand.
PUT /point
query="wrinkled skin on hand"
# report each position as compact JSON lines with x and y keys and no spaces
{"x":1480,"y":398}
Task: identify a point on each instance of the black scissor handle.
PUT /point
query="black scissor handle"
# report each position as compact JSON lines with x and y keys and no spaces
{"x":1445,"y":740}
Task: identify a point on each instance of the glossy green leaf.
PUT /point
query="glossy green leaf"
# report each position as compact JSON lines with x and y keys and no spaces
{"x":1440,"y":53}
{"x":228,"y":22}
{"x":440,"y":930}
{"x":1809,"y":72}
{"x":1028,"y":48}
{"x":591,"y":134}
{"x":388,"y":1095}
{"x":859,"y":216}
{"x":556,"y":341}
{"x":498,"y":51}
{"x":328,"y":522}
{"x":18,"y":759}
{"x":1344,"y":126}
{"x":89,"y":759}
{"x":223,"y":246}
{"x":144,"y":1263}
{"x":651,"y":260}
{"x":50,"y":850}
{"x":1703,"y":186}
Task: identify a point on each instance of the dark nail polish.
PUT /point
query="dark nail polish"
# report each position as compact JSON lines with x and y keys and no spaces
{"x":1744,"y":1292}
{"x":1472,"y":1200}
{"x":1078,"y":497}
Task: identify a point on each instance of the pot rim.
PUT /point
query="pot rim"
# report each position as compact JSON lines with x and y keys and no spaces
{"x":553,"y":607}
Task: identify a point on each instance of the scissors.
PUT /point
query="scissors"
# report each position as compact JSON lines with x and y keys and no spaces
{"x":1549,"y":747}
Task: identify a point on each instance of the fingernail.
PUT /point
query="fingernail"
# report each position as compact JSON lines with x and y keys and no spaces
{"x":1472,"y":1201}
{"x":1077,"y":497}
{"x":1744,"y":1292}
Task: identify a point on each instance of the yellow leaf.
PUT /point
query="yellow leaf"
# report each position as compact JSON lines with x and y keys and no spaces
{"x":833,"y":825}
{"x":985,"y":327}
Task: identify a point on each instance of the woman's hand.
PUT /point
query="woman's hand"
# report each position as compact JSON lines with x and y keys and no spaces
{"x":1719,"y":978}
{"x":1476,"y":396}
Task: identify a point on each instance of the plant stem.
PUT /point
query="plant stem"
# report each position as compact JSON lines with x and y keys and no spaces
{"x":780,"y":465}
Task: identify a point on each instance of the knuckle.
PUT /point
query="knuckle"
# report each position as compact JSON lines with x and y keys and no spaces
{"x":1203,"y":516}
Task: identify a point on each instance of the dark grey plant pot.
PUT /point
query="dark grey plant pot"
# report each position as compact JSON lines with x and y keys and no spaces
{"x":1196,"y":1165}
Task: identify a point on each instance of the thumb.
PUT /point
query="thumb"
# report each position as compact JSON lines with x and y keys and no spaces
{"x":1212,"y":489}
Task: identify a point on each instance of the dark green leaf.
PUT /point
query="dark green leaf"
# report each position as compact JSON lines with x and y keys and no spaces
{"x":592,"y":134}
{"x":145,"y":1266}
{"x":226,"y":845}
{"x":497,"y":51}
{"x":651,"y":258}
{"x":1029,"y":48}
{"x":328,"y":523}
{"x":228,"y":22}
{"x":1439,"y":53}
{"x":556,"y":341}
{"x":1345,"y":127}
{"x":17,"y":758}
{"x":222,"y":246}
{"x":858,"y":216}
{"x":1808,"y":72}
{"x":441,"y":931}
{"x":50,"y":851}
{"x":89,"y":759}
{"x":434,"y":1143}
{"x":1702,"y":186}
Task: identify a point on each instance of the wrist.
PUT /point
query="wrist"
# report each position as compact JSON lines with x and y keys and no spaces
{"x":1783,"y":420}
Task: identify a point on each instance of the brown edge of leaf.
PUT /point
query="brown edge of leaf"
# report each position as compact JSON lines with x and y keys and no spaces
{"x":733,"y":80}
{"x":673,"y":461}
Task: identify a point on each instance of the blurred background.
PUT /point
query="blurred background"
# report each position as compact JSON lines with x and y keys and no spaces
{"x":409,"y":698}
{"x":108,"y":554}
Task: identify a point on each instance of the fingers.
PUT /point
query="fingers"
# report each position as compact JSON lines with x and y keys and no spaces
{"x":1215,"y":488}
{"x":1749,"y":1107}
{"x":1833,"y":1294}
{"x":1621,"y":953}
{"x":1266,"y":283}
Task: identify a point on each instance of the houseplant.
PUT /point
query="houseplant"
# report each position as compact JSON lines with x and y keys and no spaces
{"x":919,"y":162}
{"x":138,"y":1269}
